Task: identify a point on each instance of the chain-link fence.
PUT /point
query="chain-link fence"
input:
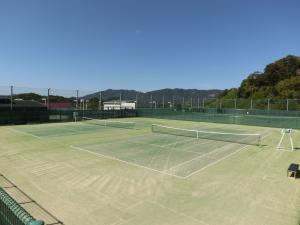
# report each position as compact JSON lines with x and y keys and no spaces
{"x":52,"y":98}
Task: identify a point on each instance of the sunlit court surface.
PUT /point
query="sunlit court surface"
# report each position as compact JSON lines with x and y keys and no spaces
{"x":89,"y":173}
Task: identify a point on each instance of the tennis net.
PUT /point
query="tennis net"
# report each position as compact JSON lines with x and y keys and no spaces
{"x":108,"y":123}
{"x":249,"y":139}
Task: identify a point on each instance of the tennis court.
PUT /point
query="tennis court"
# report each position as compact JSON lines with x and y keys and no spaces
{"x":87,"y":173}
{"x":172,"y":151}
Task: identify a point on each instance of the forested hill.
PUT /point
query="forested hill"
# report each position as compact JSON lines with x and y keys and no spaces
{"x":280,"y":80}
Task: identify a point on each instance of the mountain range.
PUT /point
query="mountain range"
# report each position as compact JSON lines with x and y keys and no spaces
{"x":158,"y":96}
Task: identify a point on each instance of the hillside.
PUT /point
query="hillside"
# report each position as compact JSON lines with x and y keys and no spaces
{"x":280,"y":80}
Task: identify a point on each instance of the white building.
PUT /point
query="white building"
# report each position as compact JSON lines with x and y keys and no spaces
{"x":116,"y":105}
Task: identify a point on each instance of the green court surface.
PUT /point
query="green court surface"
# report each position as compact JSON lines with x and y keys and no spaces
{"x":89,"y":174}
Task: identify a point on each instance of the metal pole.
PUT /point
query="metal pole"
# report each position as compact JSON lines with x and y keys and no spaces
{"x":100,"y":99}
{"x":11,"y":97}
{"x":235,"y":100}
{"x":220,"y":104}
{"x":203,"y":99}
{"x":191,"y":102}
{"x":163,"y":103}
{"x":77,"y":95}
{"x":198,"y":103}
{"x":136,"y":101}
{"x":287,"y":105}
{"x":173,"y":102}
{"x":268,"y":104}
{"x":48,"y":99}
{"x":183,"y":102}
{"x":151,"y":101}
{"x":251,"y":103}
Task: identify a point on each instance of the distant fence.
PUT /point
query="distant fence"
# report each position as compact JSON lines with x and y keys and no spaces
{"x":54,"y":98}
{"x":49,"y":116}
{"x":243,"y":117}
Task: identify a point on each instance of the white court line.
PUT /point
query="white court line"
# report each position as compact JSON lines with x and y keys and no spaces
{"x":179,"y":142}
{"x":23,"y":132}
{"x":221,"y":159}
{"x":161,"y":146}
{"x":123,"y":161}
{"x":199,"y":157}
{"x":215,"y":162}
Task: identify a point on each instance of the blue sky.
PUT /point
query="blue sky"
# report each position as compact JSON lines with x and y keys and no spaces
{"x":143,"y":45}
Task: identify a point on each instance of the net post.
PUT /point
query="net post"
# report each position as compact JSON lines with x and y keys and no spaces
{"x":259,"y":140}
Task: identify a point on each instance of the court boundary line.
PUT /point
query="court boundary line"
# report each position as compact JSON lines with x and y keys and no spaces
{"x":221,"y":159}
{"x":123,"y":161}
{"x":200,"y":156}
{"x":25,"y":133}
{"x":217,"y":161}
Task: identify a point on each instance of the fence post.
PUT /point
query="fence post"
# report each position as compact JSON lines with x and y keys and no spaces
{"x":191,"y":102}
{"x":48,"y":98}
{"x":287,"y":105}
{"x":11,"y":97}
{"x":173,"y":102}
{"x":198,"y":103}
{"x":163,"y":103}
{"x":251,"y":103}
{"x":136,"y":101}
{"x":77,"y":95}
{"x":100,"y":100}
{"x":203,"y":99}
{"x":268,"y":104}
{"x":235,"y":103}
